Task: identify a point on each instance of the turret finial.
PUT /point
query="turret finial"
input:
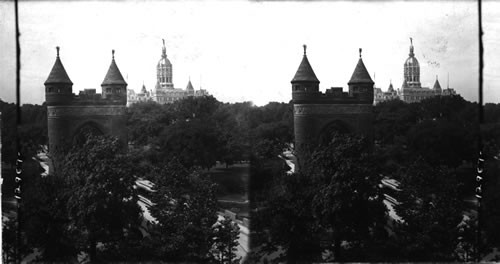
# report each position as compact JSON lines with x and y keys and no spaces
{"x":360,"y":50}
{"x":57,"y":48}
{"x":113,"y":54}
{"x":305,"y":48}
{"x":163,"y":42}
{"x":411,"y":41}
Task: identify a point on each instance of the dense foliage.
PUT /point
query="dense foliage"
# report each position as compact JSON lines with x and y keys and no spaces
{"x":334,"y":200}
{"x":334,"y":207}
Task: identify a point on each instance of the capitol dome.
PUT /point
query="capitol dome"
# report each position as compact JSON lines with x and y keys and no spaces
{"x":411,"y":70}
{"x":164,"y":70}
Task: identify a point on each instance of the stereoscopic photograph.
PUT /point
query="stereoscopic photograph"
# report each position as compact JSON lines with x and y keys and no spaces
{"x":250,"y":131}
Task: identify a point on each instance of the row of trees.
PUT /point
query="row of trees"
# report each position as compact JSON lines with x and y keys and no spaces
{"x":200,"y":131}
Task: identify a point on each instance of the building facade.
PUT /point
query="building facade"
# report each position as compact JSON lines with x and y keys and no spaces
{"x":164,"y":91}
{"x":70,"y":116}
{"x":317,"y":114}
{"x":411,"y":90}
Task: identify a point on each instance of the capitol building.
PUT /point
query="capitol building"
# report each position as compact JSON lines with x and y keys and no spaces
{"x":164,"y":91}
{"x":411,"y":90}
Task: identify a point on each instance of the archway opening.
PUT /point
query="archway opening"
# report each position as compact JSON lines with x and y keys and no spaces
{"x":86,"y":130}
{"x":332,"y":128}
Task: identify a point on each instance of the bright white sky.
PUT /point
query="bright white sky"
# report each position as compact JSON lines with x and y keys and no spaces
{"x":248,"y":51}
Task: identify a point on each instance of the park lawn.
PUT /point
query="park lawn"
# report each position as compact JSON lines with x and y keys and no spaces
{"x":232,"y":181}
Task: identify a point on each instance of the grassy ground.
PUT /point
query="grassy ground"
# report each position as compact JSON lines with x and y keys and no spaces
{"x":233,"y":187}
{"x":232,"y":181}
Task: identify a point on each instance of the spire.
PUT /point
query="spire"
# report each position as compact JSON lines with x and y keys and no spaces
{"x":305,"y":73}
{"x":391,"y":88}
{"x":411,"y":48}
{"x":437,"y":86}
{"x":189,"y":86}
{"x":58,"y":73}
{"x":114,"y":75}
{"x":163,"y":50}
{"x":360,"y":74}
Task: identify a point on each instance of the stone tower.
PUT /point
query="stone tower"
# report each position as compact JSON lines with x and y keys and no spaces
{"x":317,"y":114}
{"x":69,"y":115}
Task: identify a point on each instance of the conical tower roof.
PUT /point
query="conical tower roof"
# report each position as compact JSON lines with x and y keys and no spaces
{"x":305,"y":72}
{"x":189,"y":86}
{"x":114,"y":75}
{"x":360,"y":74}
{"x":58,"y":73}
{"x":437,"y":86}
{"x":405,"y":84}
{"x":391,"y":88}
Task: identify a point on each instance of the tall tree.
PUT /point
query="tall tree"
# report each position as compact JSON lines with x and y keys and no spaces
{"x":226,"y":234}
{"x":334,"y":203}
{"x":185,"y":208}
{"x":102,"y":201}
{"x":432,"y":209}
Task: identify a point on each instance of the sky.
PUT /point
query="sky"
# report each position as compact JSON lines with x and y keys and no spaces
{"x":248,"y":50}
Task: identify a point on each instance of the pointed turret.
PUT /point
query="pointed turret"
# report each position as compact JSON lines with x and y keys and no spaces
{"x":437,"y":86}
{"x":114,"y":75}
{"x":305,"y":73}
{"x":113,"y":85}
{"x":58,"y":73}
{"x":305,"y":81}
{"x":361,"y":84}
{"x":58,"y":86}
{"x":189,"y":86}
{"x":360,"y":74}
{"x":391,"y":88}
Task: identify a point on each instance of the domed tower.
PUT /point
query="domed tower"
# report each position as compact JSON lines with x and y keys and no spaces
{"x":164,"y":70}
{"x":304,"y":81}
{"x":437,"y":86}
{"x":411,"y":70}
{"x":361,"y":84}
{"x":58,"y":86}
{"x":114,"y":86}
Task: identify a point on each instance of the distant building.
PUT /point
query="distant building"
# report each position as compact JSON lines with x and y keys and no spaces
{"x":380,"y":96}
{"x":411,"y":90}
{"x":316,"y":114}
{"x":164,"y":91}
{"x":143,"y":96}
{"x":70,"y":115}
